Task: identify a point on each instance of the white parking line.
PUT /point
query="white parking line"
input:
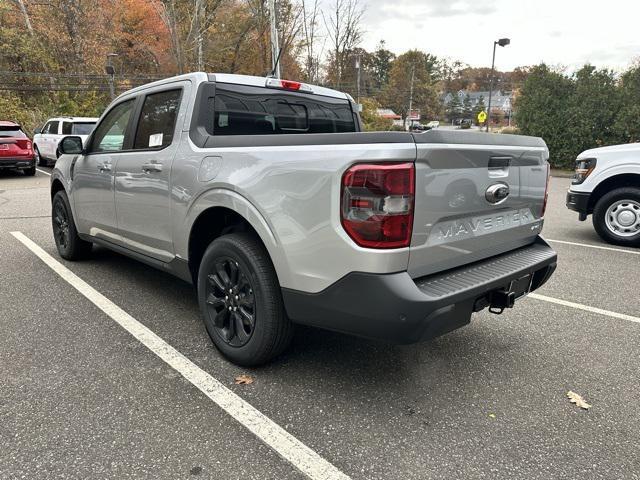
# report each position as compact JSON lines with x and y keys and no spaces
{"x":289,"y":447}
{"x":586,"y":308}
{"x":592,"y":246}
{"x":43,"y":171}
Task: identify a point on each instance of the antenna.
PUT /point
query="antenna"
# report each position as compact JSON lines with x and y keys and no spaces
{"x":276,"y":66}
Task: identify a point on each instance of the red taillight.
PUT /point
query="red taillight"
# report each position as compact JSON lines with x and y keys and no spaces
{"x":546,"y":192}
{"x":23,"y":144}
{"x":288,"y":85}
{"x":377,"y":204}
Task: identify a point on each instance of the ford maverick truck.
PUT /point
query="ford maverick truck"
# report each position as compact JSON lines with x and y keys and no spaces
{"x":269,"y":198}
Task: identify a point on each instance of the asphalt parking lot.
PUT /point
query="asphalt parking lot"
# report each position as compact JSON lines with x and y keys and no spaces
{"x":80,"y":397}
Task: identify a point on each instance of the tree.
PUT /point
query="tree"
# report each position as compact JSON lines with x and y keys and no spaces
{"x":627,"y":125}
{"x":454,"y":108}
{"x":425,"y":92}
{"x":382,"y":61}
{"x":543,"y":110}
{"x":344,"y":31}
{"x":467,"y":108}
{"x":372,"y":121}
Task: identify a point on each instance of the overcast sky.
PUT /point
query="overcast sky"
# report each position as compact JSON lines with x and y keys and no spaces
{"x":559,"y":32}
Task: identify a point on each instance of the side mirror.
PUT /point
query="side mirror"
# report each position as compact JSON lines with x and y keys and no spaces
{"x":37,"y":131}
{"x":71,"y":146}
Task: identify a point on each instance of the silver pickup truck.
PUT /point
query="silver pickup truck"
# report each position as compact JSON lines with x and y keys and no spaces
{"x":266,"y":195}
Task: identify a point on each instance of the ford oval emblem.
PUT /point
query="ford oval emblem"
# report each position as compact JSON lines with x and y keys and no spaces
{"x":497,"y":193}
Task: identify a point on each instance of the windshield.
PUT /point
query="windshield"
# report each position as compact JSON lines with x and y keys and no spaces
{"x":13,"y":132}
{"x":82,"y":128}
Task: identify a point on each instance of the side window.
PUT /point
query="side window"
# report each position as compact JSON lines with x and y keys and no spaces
{"x":53,"y":128}
{"x":110,"y":133}
{"x":67,"y":127}
{"x":45,"y":129}
{"x":157,"y":120}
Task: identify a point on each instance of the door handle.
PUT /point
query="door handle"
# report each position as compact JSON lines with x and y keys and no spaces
{"x":104,"y":167}
{"x":152,"y":167}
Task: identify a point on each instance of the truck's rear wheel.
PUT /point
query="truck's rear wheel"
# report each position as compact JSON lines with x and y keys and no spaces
{"x":241,"y":302}
{"x":616,"y":217}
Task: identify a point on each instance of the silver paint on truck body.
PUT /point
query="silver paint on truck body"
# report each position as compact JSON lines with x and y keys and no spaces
{"x":290,"y":195}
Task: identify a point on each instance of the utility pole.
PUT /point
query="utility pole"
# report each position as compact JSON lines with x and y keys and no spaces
{"x":111,"y":72}
{"x":198,"y":11}
{"x":275,"y":48}
{"x":358,"y":79}
{"x":413,"y":71}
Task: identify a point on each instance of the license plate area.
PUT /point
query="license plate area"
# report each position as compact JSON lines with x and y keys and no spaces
{"x":4,"y":146}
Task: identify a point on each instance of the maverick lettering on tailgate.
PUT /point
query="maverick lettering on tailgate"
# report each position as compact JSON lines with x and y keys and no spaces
{"x":459,"y":229}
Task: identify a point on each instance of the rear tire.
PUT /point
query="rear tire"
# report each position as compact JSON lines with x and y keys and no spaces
{"x":616,"y":217}
{"x":241,"y":301}
{"x":30,"y":172}
{"x":40,"y":160}
{"x":70,"y":245}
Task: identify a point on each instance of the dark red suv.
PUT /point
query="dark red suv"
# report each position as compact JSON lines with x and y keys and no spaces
{"x":16,"y":149}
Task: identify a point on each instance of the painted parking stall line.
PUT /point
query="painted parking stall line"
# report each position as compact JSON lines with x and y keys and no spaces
{"x":286,"y":445}
{"x":588,"y":245}
{"x":43,"y":171}
{"x":586,"y":308}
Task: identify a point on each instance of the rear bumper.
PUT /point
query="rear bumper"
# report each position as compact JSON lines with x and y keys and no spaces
{"x":400,"y":309}
{"x":579,"y":202}
{"x":19,"y":162}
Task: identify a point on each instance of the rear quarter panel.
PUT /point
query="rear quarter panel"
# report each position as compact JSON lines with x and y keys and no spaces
{"x":291,"y":196}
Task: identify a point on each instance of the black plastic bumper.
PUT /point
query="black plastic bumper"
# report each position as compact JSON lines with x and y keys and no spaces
{"x":13,"y":163}
{"x":400,"y":309}
{"x":579,"y":202}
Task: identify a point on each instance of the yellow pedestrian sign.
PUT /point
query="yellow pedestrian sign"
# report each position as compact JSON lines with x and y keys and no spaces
{"x":482,"y":116}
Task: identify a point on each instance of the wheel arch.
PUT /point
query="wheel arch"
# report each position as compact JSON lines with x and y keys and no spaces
{"x":612,"y":183}
{"x":220,"y":214}
{"x":56,"y":186}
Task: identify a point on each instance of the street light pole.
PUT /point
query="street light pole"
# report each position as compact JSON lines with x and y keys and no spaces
{"x":503,"y":42}
{"x":358,"y":79}
{"x":413,"y":71}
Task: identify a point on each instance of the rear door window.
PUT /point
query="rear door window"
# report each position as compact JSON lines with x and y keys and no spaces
{"x":157,"y":121}
{"x":82,"y":128}
{"x":242,"y":110}
{"x":67,"y":128}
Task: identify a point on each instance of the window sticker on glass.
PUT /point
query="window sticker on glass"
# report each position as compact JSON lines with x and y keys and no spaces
{"x":155,"y":140}
{"x":223,"y":120}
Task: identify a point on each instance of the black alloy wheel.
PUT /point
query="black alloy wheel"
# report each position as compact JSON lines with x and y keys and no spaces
{"x":230,"y":302}
{"x":61,"y":225}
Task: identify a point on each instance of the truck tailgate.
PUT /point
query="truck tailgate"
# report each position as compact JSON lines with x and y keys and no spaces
{"x":460,"y":213}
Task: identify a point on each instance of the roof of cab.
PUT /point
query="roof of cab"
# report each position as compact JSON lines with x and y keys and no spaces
{"x":7,"y":123}
{"x":73,"y":119}
{"x":230,"y":78}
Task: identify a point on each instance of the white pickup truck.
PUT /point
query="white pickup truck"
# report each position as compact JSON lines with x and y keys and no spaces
{"x":607,"y":185}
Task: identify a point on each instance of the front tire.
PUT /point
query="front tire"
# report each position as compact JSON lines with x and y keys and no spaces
{"x":241,"y":302}
{"x":70,"y":245}
{"x":616,"y":217}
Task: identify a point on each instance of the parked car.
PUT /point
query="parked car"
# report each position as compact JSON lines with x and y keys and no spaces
{"x":606,"y":185}
{"x":266,"y":194}
{"x":16,"y":150}
{"x":47,"y":138}
{"x":466,"y":124}
{"x":433,"y":124}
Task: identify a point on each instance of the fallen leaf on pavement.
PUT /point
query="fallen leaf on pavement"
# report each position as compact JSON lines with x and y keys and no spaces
{"x":243,"y":380}
{"x":578,"y":400}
